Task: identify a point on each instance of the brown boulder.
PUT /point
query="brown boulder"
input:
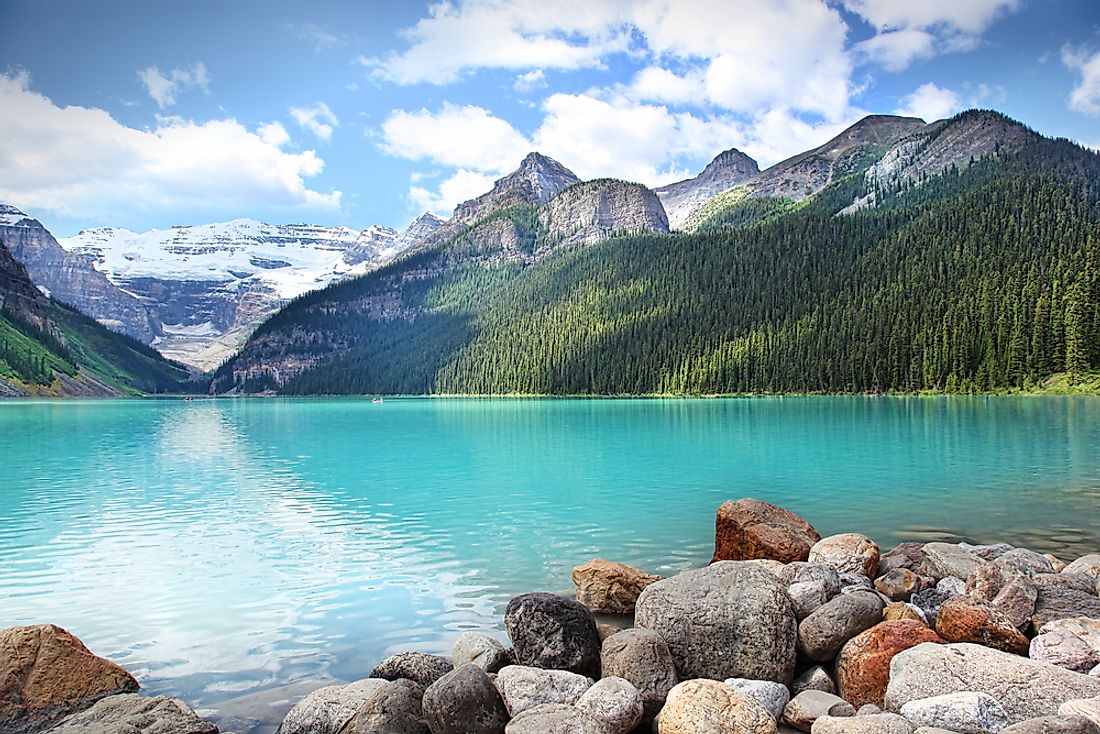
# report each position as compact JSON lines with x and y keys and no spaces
{"x":964,"y":619}
{"x":899,"y":584}
{"x":897,"y":610}
{"x":608,"y":587}
{"x":47,"y":673}
{"x":863,"y":666}
{"x":848,"y":553}
{"x":749,"y":529}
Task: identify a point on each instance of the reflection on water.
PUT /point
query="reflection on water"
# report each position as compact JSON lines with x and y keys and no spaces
{"x":238,"y":553}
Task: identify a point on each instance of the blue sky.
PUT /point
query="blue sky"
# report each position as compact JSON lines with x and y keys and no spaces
{"x":149,"y":114}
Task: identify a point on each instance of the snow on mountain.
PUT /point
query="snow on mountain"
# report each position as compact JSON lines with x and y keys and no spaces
{"x":10,"y":216}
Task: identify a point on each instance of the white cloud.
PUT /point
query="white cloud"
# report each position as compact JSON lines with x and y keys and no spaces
{"x":163,"y":89}
{"x":929,"y":102}
{"x":316,"y":36}
{"x":459,"y":137}
{"x":896,"y":50}
{"x":81,"y":162}
{"x":452,"y":191}
{"x":530,"y":81}
{"x":1085,"y":97}
{"x":317,"y":118}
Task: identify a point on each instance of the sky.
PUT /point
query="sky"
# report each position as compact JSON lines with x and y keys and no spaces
{"x":143,"y":115}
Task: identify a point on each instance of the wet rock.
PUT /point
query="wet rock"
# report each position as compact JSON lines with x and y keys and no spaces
{"x":1063,"y":580}
{"x":1025,"y":688}
{"x":482,"y":650}
{"x":614,"y":703}
{"x":1064,"y":649}
{"x":418,"y":667}
{"x":1052,"y":604}
{"x":771,"y":696}
{"x":848,"y":553}
{"x":807,"y":707}
{"x":522,"y":687}
{"x":823,"y":633}
{"x":1088,"y":565}
{"x":965,"y":712}
{"x":642,"y":657}
{"x":394,"y":709}
{"x":328,"y":709}
{"x":698,"y":706}
{"x":898,"y":610}
{"x":898,"y":585}
{"x":750,"y":528}
{"x":965,"y":619}
{"x":1054,"y":725}
{"x":553,"y":718}
{"x":47,"y":673}
{"x":549,"y":631}
{"x":877,"y":723}
{"x":863,"y":666}
{"x":813,"y":679}
{"x":945,"y":559}
{"x":607,"y":587}
{"x":728,"y":620}
{"x":129,"y":712}
{"x":464,"y":701}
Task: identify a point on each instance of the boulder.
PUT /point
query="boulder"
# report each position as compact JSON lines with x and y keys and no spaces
{"x":523,"y":687}
{"x":1053,"y":603}
{"x":1088,"y":629}
{"x":553,"y":718}
{"x":709,"y":707}
{"x":798,"y":572}
{"x":1028,"y":561}
{"x":1064,"y":649}
{"x":988,"y":552}
{"x":1056,"y":563}
{"x":1088,"y":565}
{"x":897,"y":610}
{"x":771,"y":696}
{"x":418,"y":667}
{"x":607,"y":587}
{"x":807,"y":707}
{"x":328,"y":709}
{"x":848,"y":553}
{"x":129,"y":712}
{"x":47,"y":673}
{"x":951,"y":585}
{"x":395,"y":708}
{"x":1088,"y":708}
{"x":549,"y":631}
{"x":642,"y":657}
{"x":807,"y":597}
{"x":728,"y":620}
{"x":1007,"y":588}
{"x":898,"y":585}
{"x":1054,"y":725}
{"x":863,"y":666}
{"x":946,"y":559}
{"x":813,"y":679}
{"x":464,"y":701}
{"x":965,"y":619}
{"x":823,"y":633}
{"x":1025,"y":688}
{"x":878,"y":723}
{"x":603,"y":630}
{"x":929,"y":602}
{"x":965,"y":712}
{"x":903,"y":555}
{"x":750,"y":528}
{"x":482,"y":650}
{"x":614,"y":703}
{"x":1078,"y":581}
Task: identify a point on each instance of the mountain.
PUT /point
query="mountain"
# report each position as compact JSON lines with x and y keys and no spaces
{"x":727,"y":169}
{"x":977,"y":271}
{"x":49,"y":348}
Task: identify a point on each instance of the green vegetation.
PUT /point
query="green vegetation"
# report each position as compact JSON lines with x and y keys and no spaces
{"x":28,"y":353}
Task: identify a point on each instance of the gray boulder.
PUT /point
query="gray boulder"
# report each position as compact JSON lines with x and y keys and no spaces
{"x":482,"y":650}
{"x":813,"y":679}
{"x":864,"y":724}
{"x":807,"y":707}
{"x":326,"y":710}
{"x":947,"y":559}
{"x":807,"y":597}
{"x":395,"y":709}
{"x":464,"y":701}
{"x":1089,"y":565}
{"x":1053,"y":604}
{"x":728,"y":620}
{"x":129,"y":712}
{"x":642,"y":657}
{"x":771,"y":696}
{"x":614,"y":703}
{"x":418,"y":667}
{"x":523,"y":687}
{"x":1028,"y":561}
{"x":549,"y":631}
{"x":553,"y":718}
{"x":802,"y":571}
{"x":1078,"y":581}
{"x":1054,"y":725}
{"x":823,"y":633}
{"x":965,"y":712}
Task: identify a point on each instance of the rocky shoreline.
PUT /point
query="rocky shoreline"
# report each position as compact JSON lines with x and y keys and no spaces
{"x":784,"y":631}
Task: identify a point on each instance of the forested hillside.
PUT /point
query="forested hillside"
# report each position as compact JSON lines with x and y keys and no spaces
{"x":982,"y":278}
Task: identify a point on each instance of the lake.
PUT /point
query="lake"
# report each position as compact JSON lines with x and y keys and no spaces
{"x":238,"y":553}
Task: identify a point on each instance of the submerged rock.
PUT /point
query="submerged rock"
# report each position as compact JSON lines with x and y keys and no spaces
{"x":750,"y":528}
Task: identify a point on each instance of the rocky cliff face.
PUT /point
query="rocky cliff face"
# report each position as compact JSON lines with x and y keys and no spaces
{"x":595,"y":210}
{"x":727,"y":169}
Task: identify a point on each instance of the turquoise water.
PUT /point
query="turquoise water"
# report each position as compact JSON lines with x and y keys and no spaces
{"x":237,"y":553}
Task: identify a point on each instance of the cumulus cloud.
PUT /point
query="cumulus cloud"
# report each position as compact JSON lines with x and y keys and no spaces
{"x":81,"y":162}
{"x":163,"y":89}
{"x":316,"y":118}
{"x":929,"y":102}
{"x":530,"y":81}
{"x":466,"y":137}
{"x":316,"y":36}
{"x":452,"y":190}
{"x":1085,"y":97}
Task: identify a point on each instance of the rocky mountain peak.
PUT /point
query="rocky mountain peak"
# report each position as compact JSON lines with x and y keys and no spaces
{"x":546,"y":177}
{"x":731,"y":162}
{"x":728,"y":168}
{"x":538,"y":179}
{"x":10,"y":215}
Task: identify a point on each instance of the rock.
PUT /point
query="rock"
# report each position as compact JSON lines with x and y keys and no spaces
{"x":964,"y":619}
{"x":771,"y":696}
{"x":728,"y":620}
{"x":802,"y":571}
{"x":868,"y":709}
{"x":523,"y":687}
{"x":1025,"y":688}
{"x":1054,"y":725}
{"x":1084,"y":627}
{"x":931,"y":730}
{"x":709,"y":707}
{"x":418,"y":667}
{"x":951,"y":585}
{"x":607,"y":587}
{"x":1056,"y":563}
{"x":596,"y":210}
{"x":807,"y":597}
{"x":1064,"y":649}
{"x":464,"y":701}
{"x":603,"y":631}
{"x":642,"y":657}
{"x":1052,"y":603}
{"x":863,"y":666}
{"x":328,"y":709}
{"x":878,"y":723}
{"x":848,"y":553}
{"x":1007,"y":587}
{"x":1063,"y":580}
{"x":482,"y":650}
{"x":813,"y":679}
{"x":394,"y":709}
{"x":807,"y":707}
{"x":850,"y":582}
{"x":1028,"y":561}
{"x":614,"y":703}
{"x":965,"y":712}
{"x":47,"y":673}
{"x":903,"y":555}
{"x":898,"y":585}
{"x":553,"y":718}
{"x":988,"y":552}
{"x":129,"y":712}
{"x":1089,"y":565}
{"x":897,"y":610}
{"x":945,"y":559}
{"x":823,"y":633}
{"x":750,"y":528}
{"x":1088,"y":708}
{"x":549,"y":631}
{"x":929,"y":602}
{"x":1095,"y":672}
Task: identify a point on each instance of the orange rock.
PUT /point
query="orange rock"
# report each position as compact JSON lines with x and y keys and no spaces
{"x":47,"y":673}
{"x":863,"y":666}
{"x":609,"y":587}
{"x":749,"y":529}
{"x":965,"y":619}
